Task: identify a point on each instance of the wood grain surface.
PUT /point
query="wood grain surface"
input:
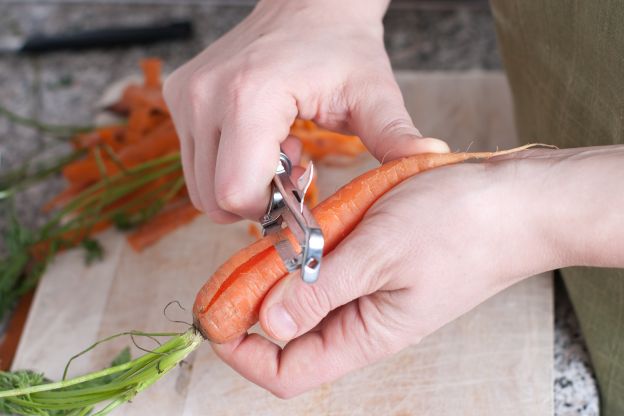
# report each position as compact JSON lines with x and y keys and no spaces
{"x":495,"y":360}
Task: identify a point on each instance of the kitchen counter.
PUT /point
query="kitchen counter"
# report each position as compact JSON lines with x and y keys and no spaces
{"x":64,"y":88}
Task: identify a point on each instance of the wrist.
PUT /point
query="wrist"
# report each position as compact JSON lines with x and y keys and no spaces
{"x":590,"y":190}
{"x":519,"y":221}
{"x":572,"y":204}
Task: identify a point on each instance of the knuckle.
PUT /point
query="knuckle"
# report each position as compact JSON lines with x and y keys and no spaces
{"x":219,"y":216}
{"x":396,"y":127}
{"x":242,"y":92}
{"x":197,"y":85}
{"x":282,"y":391}
{"x":232,"y":201}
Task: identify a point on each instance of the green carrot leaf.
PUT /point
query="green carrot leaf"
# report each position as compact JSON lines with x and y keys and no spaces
{"x":93,"y":250}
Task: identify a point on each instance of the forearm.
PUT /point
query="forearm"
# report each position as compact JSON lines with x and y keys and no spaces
{"x":580,"y":205}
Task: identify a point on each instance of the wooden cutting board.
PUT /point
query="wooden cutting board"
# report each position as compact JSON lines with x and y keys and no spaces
{"x":495,"y":360}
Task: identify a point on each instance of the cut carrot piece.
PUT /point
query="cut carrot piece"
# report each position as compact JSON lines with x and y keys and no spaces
{"x":161,"y":225}
{"x":254,"y":231}
{"x":151,"y":72}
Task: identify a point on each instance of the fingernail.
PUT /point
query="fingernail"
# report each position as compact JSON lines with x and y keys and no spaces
{"x":281,"y":323}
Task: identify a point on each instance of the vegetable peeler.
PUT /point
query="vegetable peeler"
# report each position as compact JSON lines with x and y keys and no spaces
{"x":287,"y":207}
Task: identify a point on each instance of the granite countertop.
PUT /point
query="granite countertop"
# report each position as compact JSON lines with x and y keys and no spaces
{"x":64,"y":88}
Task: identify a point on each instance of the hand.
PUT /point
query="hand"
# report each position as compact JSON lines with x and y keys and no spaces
{"x":430,"y":250}
{"x":316,"y":59}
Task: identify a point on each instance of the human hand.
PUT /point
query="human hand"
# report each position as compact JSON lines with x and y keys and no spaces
{"x":233,"y":104}
{"x":431,"y":249}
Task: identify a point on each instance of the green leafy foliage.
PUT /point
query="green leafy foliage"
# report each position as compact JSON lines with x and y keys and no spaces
{"x":26,"y":378}
{"x":98,"y":393}
{"x":93,"y":250}
{"x":13,"y":265}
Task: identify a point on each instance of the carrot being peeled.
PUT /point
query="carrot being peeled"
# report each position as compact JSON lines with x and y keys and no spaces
{"x":229,"y":302}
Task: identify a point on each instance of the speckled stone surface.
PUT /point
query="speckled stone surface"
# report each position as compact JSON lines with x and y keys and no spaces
{"x":576,"y":392}
{"x":64,"y":87}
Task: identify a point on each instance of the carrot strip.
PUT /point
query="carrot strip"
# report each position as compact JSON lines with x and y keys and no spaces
{"x":138,"y":123}
{"x":151,"y":72}
{"x":136,"y":95}
{"x":111,"y":135}
{"x":319,"y":143}
{"x":62,"y":198}
{"x":254,"y":231}
{"x":148,"y":95}
{"x":161,"y":225}
{"x":228,"y":303}
{"x":161,"y":141}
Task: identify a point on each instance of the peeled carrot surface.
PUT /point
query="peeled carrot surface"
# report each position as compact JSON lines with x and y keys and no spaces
{"x":229,"y":302}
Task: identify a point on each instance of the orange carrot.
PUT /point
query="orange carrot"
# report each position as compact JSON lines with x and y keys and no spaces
{"x":137,"y":123}
{"x":312,"y":194}
{"x":151,"y":72}
{"x":111,"y":135}
{"x":148,"y":95}
{"x":254,"y":231}
{"x":63,"y":197}
{"x":135,"y":95}
{"x":161,"y":141}
{"x":161,"y":225}
{"x":319,"y":143}
{"x":228,"y":304}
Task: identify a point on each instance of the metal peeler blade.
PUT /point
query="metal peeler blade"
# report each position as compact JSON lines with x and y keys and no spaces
{"x":288,"y":204}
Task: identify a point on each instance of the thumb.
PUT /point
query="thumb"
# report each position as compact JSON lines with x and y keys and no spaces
{"x":379,"y":117}
{"x":294,"y":307}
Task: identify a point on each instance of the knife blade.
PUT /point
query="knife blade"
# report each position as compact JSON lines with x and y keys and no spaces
{"x":111,"y":37}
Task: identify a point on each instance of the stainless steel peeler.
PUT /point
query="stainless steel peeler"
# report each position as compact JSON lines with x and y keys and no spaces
{"x":287,"y":204}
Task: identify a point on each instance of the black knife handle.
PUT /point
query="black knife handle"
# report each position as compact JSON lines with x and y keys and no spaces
{"x":108,"y":38}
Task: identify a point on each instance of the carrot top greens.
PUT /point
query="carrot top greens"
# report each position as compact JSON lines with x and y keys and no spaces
{"x":113,"y":200}
{"x":98,"y":393}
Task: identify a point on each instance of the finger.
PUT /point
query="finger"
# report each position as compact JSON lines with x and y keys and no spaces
{"x":292,"y":147}
{"x":293,"y":307}
{"x":171,"y":93}
{"x":204,"y":171}
{"x":187,"y":154}
{"x":249,"y":151}
{"x":351,"y":337}
{"x":379,"y":117}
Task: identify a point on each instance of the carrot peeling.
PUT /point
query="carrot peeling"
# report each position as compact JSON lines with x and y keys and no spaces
{"x":229,"y":302}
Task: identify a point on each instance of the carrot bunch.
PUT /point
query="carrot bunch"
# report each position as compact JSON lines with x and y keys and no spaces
{"x":130,"y":173}
{"x":159,"y":204}
{"x":127,"y":175}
